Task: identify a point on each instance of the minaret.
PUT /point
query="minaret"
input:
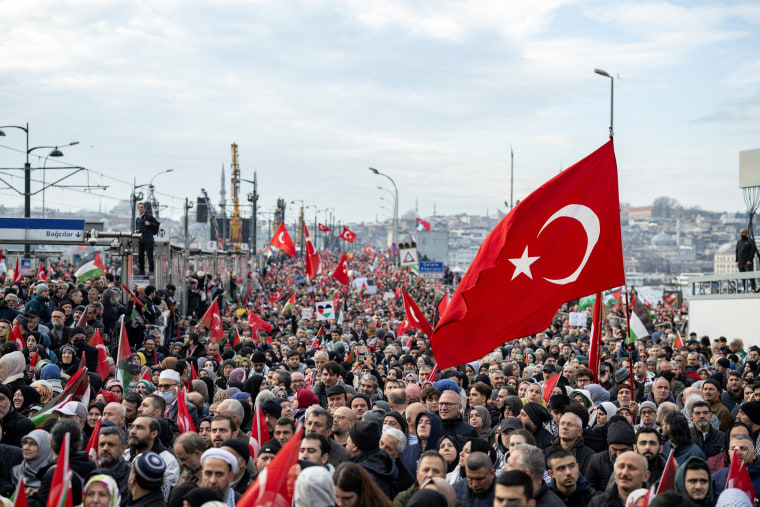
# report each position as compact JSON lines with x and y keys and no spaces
{"x":222,"y":193}
{"x":434,"y":213}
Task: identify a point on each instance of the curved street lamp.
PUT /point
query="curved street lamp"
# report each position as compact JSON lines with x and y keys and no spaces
{"x":612,"y":95}
{"x":395,"y":207}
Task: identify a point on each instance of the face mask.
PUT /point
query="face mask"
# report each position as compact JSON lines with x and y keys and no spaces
{"x":168,"y":396}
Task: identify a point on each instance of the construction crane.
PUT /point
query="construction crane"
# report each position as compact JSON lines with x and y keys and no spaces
{"x":236,"y":223}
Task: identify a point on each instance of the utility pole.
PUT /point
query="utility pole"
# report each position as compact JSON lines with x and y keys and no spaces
{"x":186,"y":239}
{"x":253,"y":198}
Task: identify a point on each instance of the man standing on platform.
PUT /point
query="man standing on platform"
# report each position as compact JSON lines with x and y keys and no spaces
{"x":146,"y":226}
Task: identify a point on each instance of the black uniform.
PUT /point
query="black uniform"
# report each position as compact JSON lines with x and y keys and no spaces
{"x":146,"y":240}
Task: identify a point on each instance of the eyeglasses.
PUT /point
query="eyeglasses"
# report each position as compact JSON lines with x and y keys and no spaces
{"x":445,"y":404}
{"x":165,"y":387}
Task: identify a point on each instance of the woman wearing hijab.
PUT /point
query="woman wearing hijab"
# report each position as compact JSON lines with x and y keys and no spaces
{"x":25,"y":398}
{"x":314,"y":488}
{"x":69,"y":363}
{"x":442,"y":487}
{"x":448,"y":448}
{"x":480,"y":419}
{"x":101,"y":490}
{"x":35,"y":448}
{"x":45,"y":390}
{"x":12,"y":369}
{"x":303,"y":400}
{"x":94,"y":413}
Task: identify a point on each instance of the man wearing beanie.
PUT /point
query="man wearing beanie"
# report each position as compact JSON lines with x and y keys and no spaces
{"x":533,"y":417}
{"x":364,"y":445}
{"x":145,"y":481}
{"x":620,"y":438}
{"x":749,"y":414}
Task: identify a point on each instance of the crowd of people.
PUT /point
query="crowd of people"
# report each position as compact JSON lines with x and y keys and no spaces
{"x":379,"y":423}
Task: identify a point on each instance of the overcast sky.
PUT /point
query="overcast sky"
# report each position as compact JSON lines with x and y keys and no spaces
{"x":431,"y":92}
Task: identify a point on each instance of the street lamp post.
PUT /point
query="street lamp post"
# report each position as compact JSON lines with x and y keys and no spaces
{"x":138,"y":196}
{"x":253,"y":198}
{"x":395,"y":207}
{"x":151,"y":195}
{"x":28,"y":173}
{"x":612,"y":96}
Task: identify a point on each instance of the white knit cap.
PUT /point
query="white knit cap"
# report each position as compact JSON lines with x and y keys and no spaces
{"x":169,"y":375}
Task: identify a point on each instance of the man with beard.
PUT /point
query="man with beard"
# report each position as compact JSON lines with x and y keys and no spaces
{"x":144,"y":437}
{"x":59,"y":333}
{"x":111,"y":447}
{"x":533,"y":417}
{"x":649,"y":445}
{"x":218,"y":469}
{"x":703,"y":434}
{"x":619,"y":440}
{"x":563,"y":469}
{"x":734,"y":393}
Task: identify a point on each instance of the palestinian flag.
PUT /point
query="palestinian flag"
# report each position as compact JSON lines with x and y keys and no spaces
{"x":60,"y":487}
{"x":19,"y":496}
{"x":290,"y":305}
{"x":317,"y":342}
{"x":641,"y":322}
{"x":122,"y":358}
{"x":91,"y":266}
{"x":352,"y":357}
{"x":614,"y":298}
{"x":76,"y":389}
{"x":586,"y":301}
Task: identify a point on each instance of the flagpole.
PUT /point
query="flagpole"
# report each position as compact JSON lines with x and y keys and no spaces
{"x":630,"y":344}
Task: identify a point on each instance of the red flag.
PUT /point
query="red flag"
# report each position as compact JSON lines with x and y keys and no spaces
{"x":341,"y":270}
{"x":213,"y":322}
{"x":146,"y":375}
{"x":323,"y":228}
{"x":443,"y":304}
{"x":431,"y":376}
{"x":97,"y":341}
{"x":595,"y":348}
{"x":274,"y":486}
{"x":18,"y":337}
{"x":679,"y":342}
{"x":404,"y":327}
{"x":368,"y":249}
{"x":259,"y":432}
{"x":549,"y":386}
{"x":235,"y":337}
{"x":16,"y":272}
{"x":313,"y":262}
{"x":184,"y":421}
{"x":347,"y":235}
{"x":135,"y":299}
{"x":282,"y":241}
{"x":92,"y":444}
{"x":738,"y":476}
{"x":193,"y":373}
{"x":257,"y":322}
{"x":41,"y":276}
{"x":519,"y":278}
{"x":60,"y":486}
{"x":668,"y":480}
{"x":421,"y":224}
{"x":19,"y":497}
{"x":415,"y":316}
{"x":33,"y":362}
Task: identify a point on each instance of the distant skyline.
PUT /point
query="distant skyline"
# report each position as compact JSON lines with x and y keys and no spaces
{"x":433,"y":94}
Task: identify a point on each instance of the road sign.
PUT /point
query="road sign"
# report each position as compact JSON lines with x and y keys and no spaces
{"x":43,"y":230}
{"x":408,"y":256}
{"x":431,"y":269}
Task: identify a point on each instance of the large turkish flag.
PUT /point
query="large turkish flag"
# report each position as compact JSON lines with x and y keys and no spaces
{"x":560,"y":243}
{"x":282,"y":241}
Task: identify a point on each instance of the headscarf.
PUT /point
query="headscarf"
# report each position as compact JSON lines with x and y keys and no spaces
{"x":149,"y":385}
{"x":221,"y":395}
{"x":306,"y":398}
{"x":45,"y":390}
{"x":14,"y":364}
{"x":443,"y":487}
{"x":114,"y":497}
{"x":210,"y":372}
{"x":30,"y":469}
{"x":413,"y":393}
{"x":485,"y":431}
{"x":31,"y":398}
{"x":314,"y":488}
{"x":199,"y":386}
{"x":598,"y":393}
{"x":427,"y":498}
{"x":453,"y":465}
{"x":253,"y":385}
{"x":237,"y":375}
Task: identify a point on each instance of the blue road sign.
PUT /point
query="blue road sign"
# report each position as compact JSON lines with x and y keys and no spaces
{"x":44,"y":230}
{"x":431,"y":267}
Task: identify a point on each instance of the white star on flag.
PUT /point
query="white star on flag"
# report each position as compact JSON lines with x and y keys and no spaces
{"x":522,"y":265}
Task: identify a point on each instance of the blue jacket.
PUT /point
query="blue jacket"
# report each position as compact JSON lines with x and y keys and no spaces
{"x":683,"y":453}
{"x":721,"y":476}
{"x":412,"y":453}
{"x":42,"y":306}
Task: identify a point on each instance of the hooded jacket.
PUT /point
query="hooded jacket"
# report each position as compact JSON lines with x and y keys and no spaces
{"x":412,"y":453}
{"x":680,"y":485}
{"x":580,"y":497}
{"x":381,"y":468}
